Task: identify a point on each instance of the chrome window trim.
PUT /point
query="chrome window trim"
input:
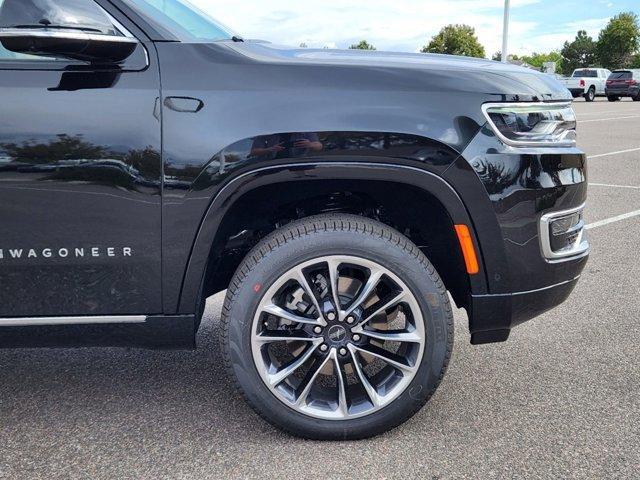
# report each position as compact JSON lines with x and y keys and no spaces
{"x":515,"y":143}
{"x":581,"y":246}
{"x":53,"y":321}
{"x":121,"y":28}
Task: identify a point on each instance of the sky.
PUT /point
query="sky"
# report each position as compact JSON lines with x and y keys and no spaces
{"x":407,"y":25}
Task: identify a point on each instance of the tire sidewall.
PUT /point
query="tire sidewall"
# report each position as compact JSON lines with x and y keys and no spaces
{"x":590,"y":95}
{"x":433,"y":304}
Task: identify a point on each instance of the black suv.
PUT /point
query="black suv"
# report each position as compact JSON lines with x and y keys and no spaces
{"x":150,"y":158}
{"x":623,"y":83}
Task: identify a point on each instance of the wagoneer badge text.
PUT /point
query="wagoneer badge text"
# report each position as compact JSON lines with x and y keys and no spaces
{"x":75,"y":252}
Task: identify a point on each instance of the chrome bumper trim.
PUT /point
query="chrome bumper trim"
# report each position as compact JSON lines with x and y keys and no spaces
{"x":580,"y":247}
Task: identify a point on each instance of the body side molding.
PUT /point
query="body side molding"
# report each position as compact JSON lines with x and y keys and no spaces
{"x":84,"y":320}
{"x":135,"y":331}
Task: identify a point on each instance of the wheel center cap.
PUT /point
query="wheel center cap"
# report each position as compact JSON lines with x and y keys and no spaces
{"x":337,"y":334}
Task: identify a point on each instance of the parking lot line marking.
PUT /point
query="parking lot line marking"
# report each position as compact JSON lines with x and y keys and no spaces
{"x":595,"y":114}
{"x":613,"y":153}
{"x":614,"y":186}
{"x":607,"y":119}
{"x":617,"y":218}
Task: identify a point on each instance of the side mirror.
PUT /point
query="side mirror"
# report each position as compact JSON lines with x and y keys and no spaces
{"x":95,"y":48}
{"x":77,"y":29}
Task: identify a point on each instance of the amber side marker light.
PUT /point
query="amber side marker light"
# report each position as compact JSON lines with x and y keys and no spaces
{"x":468,"y":251}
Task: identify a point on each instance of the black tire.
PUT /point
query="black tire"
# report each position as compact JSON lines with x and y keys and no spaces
{"x":590,"y":95}
{"x":308,"y":239}
{"x":637,"y":98}
{"x":613,"y":98}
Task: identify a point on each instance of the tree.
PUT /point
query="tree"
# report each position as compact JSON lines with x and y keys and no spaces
{"x":363,"y":45}
{"x":580,"y":53}
{"x":619,"y":41}
{"x":64,"y":147}
{"x":498,"y":57}
{"x":539,"y":59}
{"x":456,"y":40}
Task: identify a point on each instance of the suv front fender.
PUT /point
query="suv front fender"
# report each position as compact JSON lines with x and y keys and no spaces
{"x":310,"y":171}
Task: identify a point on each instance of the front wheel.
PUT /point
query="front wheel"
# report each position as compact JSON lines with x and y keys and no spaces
{"x":590,"y":95}
{"x":337,"y":327}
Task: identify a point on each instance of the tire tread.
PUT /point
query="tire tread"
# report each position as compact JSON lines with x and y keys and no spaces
{"x":310,"y":226}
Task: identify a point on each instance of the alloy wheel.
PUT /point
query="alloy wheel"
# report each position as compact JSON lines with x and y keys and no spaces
{"x":337,"y":337}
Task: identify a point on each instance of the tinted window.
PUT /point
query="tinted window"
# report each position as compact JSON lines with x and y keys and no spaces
{"x":184,"y":20}
{"x":7,"y":55}
{"x":585,"y":73}
{"x":620,"y":75}
{"x":83,"y":15}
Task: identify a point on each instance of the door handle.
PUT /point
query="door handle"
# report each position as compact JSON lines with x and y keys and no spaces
{"x":184,"y":104}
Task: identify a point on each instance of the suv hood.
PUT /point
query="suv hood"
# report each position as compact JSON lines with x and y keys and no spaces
{"x":462,"y":73}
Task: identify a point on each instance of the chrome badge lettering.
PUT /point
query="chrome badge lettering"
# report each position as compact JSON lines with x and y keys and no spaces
{"x":65,"y":252}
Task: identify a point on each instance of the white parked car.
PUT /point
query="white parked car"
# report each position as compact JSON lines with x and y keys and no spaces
{"x":587,"y":82}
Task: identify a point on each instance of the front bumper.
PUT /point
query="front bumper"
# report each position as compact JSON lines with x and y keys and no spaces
{"x":491,"y":317}
{"x":622,"y":92}
{"x":525,"y":191}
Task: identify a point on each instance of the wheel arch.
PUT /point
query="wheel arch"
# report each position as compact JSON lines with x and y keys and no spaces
{"x":332,"y":175}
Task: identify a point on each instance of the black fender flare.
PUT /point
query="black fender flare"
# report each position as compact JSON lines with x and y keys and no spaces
{"x":327,"y":170}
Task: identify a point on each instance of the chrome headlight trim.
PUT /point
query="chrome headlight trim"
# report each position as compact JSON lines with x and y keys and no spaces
{"x":567,"y":140}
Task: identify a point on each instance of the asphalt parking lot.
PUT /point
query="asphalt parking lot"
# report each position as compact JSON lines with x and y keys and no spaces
{"x":561,"y":399}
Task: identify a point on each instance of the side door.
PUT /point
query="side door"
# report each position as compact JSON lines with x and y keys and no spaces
{"x":80,"y":165}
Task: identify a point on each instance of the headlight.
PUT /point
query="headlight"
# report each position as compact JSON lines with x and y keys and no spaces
{"x":532,"y":124}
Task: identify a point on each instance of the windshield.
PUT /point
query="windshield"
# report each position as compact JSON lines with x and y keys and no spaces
{"x":185,"y":21}
{"x":585,"y":73}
